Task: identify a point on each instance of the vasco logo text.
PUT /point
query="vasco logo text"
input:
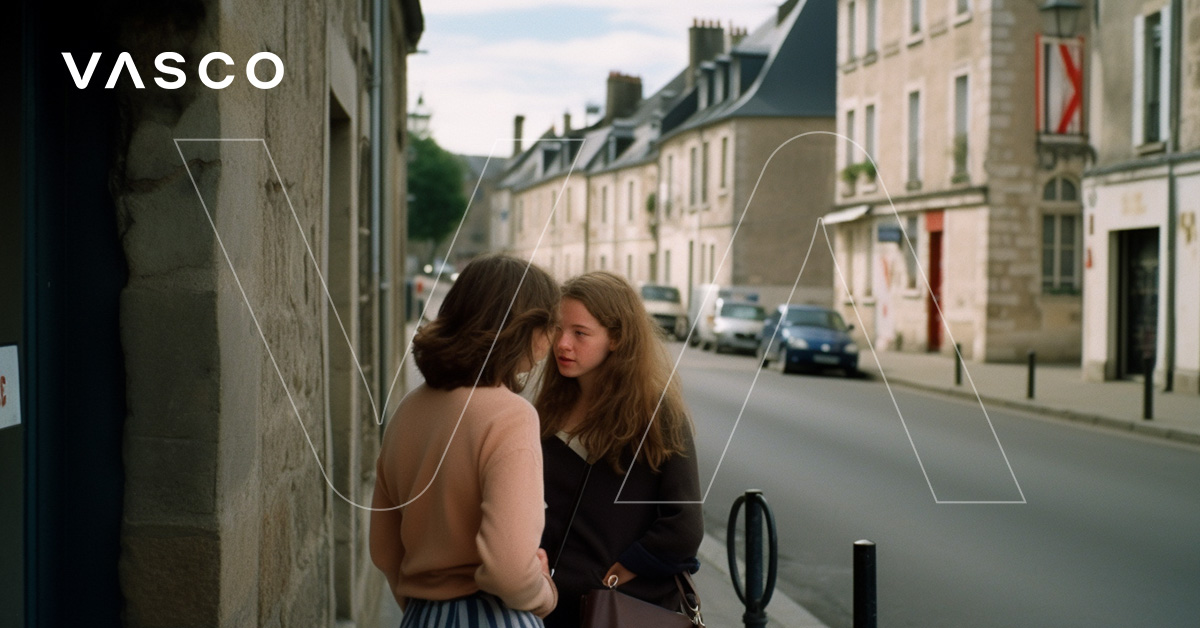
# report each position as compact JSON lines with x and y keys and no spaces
{"x":125,"y":63}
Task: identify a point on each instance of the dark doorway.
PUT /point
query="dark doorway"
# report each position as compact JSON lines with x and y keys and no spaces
{"x":1137,"y":299}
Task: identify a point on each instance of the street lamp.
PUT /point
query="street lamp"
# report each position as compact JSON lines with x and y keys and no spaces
{"x":1060,"y":17}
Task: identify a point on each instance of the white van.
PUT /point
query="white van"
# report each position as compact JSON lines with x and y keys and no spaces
{"x":666,"y":308}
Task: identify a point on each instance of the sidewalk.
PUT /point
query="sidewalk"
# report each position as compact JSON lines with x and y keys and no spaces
{"x":719,"y":603}
{"x":1059,"y":392}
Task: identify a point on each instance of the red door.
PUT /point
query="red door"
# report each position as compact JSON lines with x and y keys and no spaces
{"x":933,"y":224}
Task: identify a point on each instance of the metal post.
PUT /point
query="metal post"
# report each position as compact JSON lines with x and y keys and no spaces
{"x":865,"y":609}
{"x":958,"y":364}
{"x":1032,"y":370}
{"x":757,"y":592}
{"x":754,"y":617}
{"x":1148,"y":391}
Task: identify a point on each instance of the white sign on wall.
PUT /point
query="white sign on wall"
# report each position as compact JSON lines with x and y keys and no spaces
{"x":10,"y":387}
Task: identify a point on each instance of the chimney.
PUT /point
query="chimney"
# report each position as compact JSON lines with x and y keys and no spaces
{"x":706,"y":40}
{"x":518,"y":124}
{"x":624,"y":94}
{"x":566,"y":122}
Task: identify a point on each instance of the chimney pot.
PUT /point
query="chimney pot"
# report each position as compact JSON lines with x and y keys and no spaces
{"x":518,"y":125}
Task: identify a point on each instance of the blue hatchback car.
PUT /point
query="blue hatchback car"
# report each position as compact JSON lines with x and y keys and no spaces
{"x":808,"y":336}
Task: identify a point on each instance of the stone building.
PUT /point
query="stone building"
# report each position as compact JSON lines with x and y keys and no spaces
{"x":744,"y":175}
{"x":1141,"y":272}
{"x":195,"y":431}
{"x":957,"y":214}
{"x":658,"y":186}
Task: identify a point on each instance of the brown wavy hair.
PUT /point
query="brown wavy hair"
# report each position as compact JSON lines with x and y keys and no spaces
{"x":484,"y":331}
{"x":631,"y":381}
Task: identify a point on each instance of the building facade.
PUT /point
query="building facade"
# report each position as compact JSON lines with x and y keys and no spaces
{"x":957,"y":216}
{"x":717,"y":177}
{"x":199,"y":426}
{"x":1142,"y":255}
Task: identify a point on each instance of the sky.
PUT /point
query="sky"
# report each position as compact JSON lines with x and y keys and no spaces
{"x":482,"y":62}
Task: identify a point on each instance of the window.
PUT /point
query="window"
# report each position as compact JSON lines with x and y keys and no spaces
{"x":652,"y":264}
{"x":712,"y":257}
{"x":1060,"y":252}
{"x":869,"y":130}
{"x":1061,"y":237}
{"x":961,"y":129}
{"x":603,"y":262}
{"x":849,"y":137}
{"x":1151,"y":77}
{"x":567,"y":201}
{"x":914,"y":139}
{"x":629,"y":203}
{"x":872,"y":19}
{"x":604,"y":205}
{"x":851,"y":31}
{"x":704,"y":174}
{"x":629,"y":267}
{"x":694,"y":171}
{"x":667,"y":266}
{"x":670,"y":182}
{"x":1150,"y":88}
{"x":914,"y":17}
{"x":1060,"y":189}
{"x":962,"y":7}
{"x":724,"y":161}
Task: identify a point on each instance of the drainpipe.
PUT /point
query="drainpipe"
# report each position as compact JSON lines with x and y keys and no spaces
{"x":382,"y":291}
{"x":1172,"y":197}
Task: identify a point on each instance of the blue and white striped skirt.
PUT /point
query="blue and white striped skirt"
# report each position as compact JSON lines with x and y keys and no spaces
{"x":480,"y":610}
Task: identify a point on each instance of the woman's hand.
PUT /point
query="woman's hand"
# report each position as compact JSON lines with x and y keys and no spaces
{"x":622,"y":574}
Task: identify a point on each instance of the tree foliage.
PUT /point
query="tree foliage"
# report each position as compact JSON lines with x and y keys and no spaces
{"x":435,"y":186}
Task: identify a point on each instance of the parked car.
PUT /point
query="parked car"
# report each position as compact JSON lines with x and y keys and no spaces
{"x":703,"y":307}
{"x":808,"y":336}
{"x":666,"y":308}
{"x":733,"y":326}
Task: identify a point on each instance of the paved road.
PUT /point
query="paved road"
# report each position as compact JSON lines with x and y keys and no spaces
{"x":1104,"y":531}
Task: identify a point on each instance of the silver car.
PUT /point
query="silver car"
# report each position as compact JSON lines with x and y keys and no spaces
{"x":734,"y":326}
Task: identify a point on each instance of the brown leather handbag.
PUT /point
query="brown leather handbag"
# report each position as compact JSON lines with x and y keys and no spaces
{"x":609,"y":608}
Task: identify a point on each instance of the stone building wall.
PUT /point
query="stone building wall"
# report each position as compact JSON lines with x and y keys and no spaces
{"x":246,"y":410}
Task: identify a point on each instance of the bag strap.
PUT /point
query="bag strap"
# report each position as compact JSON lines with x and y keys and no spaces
{"x":690,"y":597}
{"x":567,"y":532}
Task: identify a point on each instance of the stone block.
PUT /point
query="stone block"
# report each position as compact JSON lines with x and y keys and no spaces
{"x":166,"y":227}
{"x":169,"y":577}
{"x":171,"y":362}
{"x":169,"y":480}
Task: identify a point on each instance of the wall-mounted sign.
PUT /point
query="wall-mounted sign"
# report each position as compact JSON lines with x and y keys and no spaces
{"x":889,"y":233}
{"x":10,"y":387}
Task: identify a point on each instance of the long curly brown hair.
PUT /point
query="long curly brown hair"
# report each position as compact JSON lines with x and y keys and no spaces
{"x":484,"y":331}
{"x":636,"y":394}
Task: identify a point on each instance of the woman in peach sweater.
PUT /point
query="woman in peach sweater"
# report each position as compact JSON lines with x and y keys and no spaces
{"x":458,"y":508}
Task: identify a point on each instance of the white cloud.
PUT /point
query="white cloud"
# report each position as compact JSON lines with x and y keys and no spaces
{"x":474,"y":85}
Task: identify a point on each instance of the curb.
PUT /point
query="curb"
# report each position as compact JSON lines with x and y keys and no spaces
{"x":722,"y":608}
{"x":1120,"y":425}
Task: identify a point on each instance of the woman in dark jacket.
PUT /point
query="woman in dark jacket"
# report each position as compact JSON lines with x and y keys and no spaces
{"x":621,"y":482}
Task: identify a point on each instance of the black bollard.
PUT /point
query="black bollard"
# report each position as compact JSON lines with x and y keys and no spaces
{"x":1032,"y":369}
{"x":757,"y":592}
{"x":957,"y":364}
{"x":1148,"y":391}
{"x":865,"y":609}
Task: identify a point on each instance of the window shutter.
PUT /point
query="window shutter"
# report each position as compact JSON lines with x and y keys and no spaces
{"x":1139,"y":81}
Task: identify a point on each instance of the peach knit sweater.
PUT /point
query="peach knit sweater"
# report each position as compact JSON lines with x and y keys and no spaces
{"x":473,"y":520}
